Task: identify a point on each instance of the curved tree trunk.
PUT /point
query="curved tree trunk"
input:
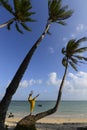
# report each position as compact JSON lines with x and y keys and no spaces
{"x":54,"y":109}
{"x":29,"y":121}
{"x":11,"y":89}
{"x":6,"y":23}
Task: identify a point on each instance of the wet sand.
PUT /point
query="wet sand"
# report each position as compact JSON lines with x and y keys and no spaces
{"x":50,"y":123}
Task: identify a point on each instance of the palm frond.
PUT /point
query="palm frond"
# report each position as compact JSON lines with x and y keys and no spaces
{"x":61,"y":22}
{"x":77,"y":43}
{"x":16,"y":5}
{"x":7,"y":6}
{"x":75,"y":61}
{"x":63,"y":51}
{"x":80,"y":57}
{"x":81,"y":40}
{"x":53,"y":6}
{"x":64,"y":62}
{"x":65,"y":14}
{"x":73,"y":66}
{"x":71,"y":44}
{"x":57,"y":13}
{"x":9,"y":25}
{"x":25,"y":27}
{"x":80,"y":50}
{"x":18,"y":29}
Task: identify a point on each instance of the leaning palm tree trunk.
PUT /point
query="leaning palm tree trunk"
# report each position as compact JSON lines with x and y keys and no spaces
{"x":54,"y":109}
{"x":6,"y":23}
{"x":29,"y":121}
{"x":11,"y":89}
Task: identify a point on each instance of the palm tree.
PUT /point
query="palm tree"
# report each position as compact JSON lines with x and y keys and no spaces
{"x":71,"y":56}
{"x":60,"y":15}
{"x":21,"y":14}
{"x":71,"y":53}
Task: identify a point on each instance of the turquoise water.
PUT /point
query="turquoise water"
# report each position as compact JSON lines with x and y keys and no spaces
{"x":66,"y":108}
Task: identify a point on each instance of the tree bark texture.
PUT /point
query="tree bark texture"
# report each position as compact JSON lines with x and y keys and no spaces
{"x":11,"y":89}
{"x":6,"y":23}
{"x":27,"y":123}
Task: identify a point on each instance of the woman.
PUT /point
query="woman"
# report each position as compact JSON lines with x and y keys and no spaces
{"x":32,"y":101}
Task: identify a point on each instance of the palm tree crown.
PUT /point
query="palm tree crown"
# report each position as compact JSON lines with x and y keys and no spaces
{"x":72,"y":52}
{"x":21,"y":13}
{"x":57,"y":13}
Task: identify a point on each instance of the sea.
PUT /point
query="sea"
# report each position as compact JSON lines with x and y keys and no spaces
{"x":66,"y":109}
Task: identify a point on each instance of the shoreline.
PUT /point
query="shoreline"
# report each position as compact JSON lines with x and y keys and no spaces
{"x":50,"y":123}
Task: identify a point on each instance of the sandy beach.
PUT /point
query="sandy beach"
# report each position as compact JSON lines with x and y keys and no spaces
{"x":49,"y":123}
{"x":70,"y":116}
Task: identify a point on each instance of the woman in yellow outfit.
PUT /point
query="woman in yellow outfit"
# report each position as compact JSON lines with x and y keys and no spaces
{"x":32,"y":101}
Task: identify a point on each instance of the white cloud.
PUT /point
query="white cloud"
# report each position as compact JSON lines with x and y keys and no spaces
{"x":80,"y":27}
{"x":79,"y":81}
{"x":32,"y":82}
{"x":75,"y":87}
{"x":53,"y":79}
{"x":26,"y":83}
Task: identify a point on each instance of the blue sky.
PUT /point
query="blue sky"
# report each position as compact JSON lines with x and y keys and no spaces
{"x":45,"y":70}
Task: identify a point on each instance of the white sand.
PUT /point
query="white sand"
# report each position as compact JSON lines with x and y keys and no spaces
{"x":50,"y":123}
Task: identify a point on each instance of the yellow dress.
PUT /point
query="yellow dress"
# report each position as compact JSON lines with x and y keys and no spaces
{"x":32,"y":103}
